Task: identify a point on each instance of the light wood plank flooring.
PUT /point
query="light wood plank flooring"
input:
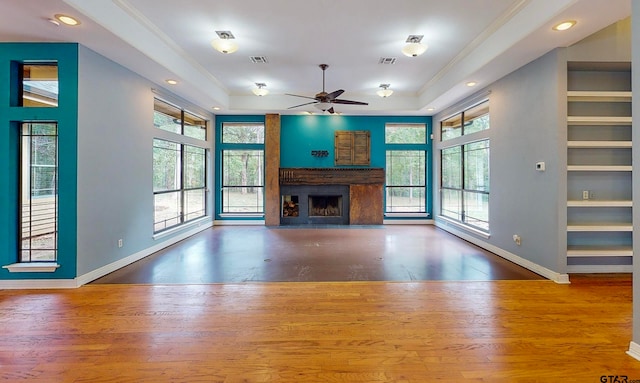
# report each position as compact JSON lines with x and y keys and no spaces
{"x":485,"y":331}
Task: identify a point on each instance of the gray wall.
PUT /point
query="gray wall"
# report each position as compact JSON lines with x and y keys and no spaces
{"x":115,"y":137}
{"x":526,"y":111}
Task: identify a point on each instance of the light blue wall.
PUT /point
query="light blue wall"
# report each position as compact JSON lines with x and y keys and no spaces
{"x":115,"y":157}
{"x":527,"y":108}
{"x":66,"y":54}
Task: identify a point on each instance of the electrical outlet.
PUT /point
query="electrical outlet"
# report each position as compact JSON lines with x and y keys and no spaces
{"x":120,"y":242}
{"x":585,"y":194}
{"x":517,"y":239}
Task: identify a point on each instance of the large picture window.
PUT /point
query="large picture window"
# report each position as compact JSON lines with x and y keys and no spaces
{"x":242,"y":168}
{"x":39,"y":192}
{"x":179,"y":183}
{"x":465,"y":184}
{"x":406,"y":166}
{"x":464,"y":192}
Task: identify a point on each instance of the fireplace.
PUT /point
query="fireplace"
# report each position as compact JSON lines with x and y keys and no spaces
{"x":320,"y":204}
{"x":337,"y":196}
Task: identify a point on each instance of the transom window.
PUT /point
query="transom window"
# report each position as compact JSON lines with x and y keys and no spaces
{"x":173,"y":119}
{"x":39,"y":84}
{"x":472,"y":120}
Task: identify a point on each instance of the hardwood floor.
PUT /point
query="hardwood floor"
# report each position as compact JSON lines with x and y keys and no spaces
{"x":483,"y":331}
{"x":228,"y":254}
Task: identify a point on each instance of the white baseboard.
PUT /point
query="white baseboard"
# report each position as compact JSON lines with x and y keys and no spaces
{"x":408,"y":222}
{"x":599,"y":269}
{"x":239,"y":222}
{"x":634,"y":350}
{"x":527,"y":264}
{"x":25,"y":284}
{"x":102,"y":271}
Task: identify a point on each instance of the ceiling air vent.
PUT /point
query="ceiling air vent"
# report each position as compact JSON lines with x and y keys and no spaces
{"x":258,"y":59}
{"x":387,"y":60}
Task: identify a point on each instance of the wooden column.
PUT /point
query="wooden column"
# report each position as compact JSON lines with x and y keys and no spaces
{"x":271,"y":170}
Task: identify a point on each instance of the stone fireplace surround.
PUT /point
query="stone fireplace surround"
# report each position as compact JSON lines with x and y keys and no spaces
{"x":361,"y":190}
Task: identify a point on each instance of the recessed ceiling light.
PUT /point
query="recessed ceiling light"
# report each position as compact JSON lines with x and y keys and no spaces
{"x":472,"y":83}
{"x":216,"y":108}
{"x":172,"y":82}
{"x":430,"y":109}
{"x":563,"y":26}
{"x":68,"y":20}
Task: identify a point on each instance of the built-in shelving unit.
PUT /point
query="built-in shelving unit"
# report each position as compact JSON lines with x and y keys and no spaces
{"x":599,"y":198}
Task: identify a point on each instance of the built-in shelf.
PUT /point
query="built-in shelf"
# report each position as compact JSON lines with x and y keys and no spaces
{"x":591,"y":227}
{"x":598,"y":120}
{"x":599,"y":144}
{"x":599,"y":231}
{"x":617,"y":251}
{"x":598,"y":96}
{"x":599,"y":203}
{"x":599,"y":168}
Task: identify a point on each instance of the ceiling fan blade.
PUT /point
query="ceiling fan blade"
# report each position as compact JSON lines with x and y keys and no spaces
{"x":349,"y":102}
{"x":306,"y":103}
{"x":335,"y":94}
{"x":297,"y":95}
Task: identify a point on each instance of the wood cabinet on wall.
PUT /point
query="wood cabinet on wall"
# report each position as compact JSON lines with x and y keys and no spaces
{"x":599,"y":198}
{"x":352,"y":147}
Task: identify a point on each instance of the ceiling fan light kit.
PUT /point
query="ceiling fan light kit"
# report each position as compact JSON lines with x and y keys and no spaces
{"x":224,"y":43}
{"x":384,"y":91}
{"x":260,"y":89}
{"x":414,"y":47}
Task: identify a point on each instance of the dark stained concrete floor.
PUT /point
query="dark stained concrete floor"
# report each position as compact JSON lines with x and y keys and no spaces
{"x":227,"y":254}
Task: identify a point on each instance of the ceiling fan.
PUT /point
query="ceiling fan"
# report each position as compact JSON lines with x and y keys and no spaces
{"x":323,"y":100}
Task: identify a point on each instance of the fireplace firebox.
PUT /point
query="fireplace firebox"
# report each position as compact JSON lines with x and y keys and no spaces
{"x":319,"y":204}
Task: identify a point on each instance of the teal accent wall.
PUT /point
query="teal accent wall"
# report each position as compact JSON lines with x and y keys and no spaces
{"x":299,"y":135}
{"x":66,"y":114}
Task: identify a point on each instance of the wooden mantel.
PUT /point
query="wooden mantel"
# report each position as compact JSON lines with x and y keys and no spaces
{"x":331,"y":176}
{"x":365,"y":188}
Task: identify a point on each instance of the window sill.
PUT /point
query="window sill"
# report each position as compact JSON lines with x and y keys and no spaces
{"x":470,"y":229}
{"x":32,"y":267}
{"x":241,"y":215}
{"x":407,"y":215}
{"x":189,"y":225}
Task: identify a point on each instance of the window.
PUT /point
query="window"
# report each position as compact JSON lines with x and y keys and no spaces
{"x":39,"y":85}
{"x":405,"y":183}
{"x":179,"y":183}
{"x":173,"y":119}
{"x":464,"y":193}
{"x":38,"y":192}
{"x":406,"y":168}
{"x":475,"y":120}
{"x":242,"y":168}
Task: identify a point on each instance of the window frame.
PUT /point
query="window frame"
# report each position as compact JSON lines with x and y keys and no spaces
{"x":422,"y":147}
{"x":223,"y":147}
{"x":21,"y":181}
{"x":463,"y":142}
